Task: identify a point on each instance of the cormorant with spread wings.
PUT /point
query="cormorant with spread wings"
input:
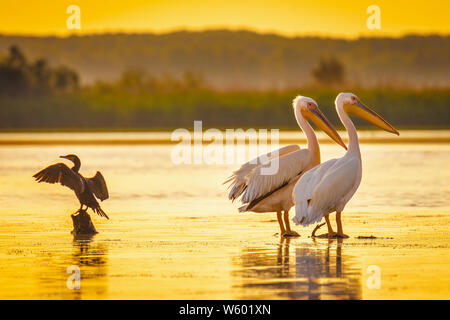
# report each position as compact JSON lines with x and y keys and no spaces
{"x":86,"y":189}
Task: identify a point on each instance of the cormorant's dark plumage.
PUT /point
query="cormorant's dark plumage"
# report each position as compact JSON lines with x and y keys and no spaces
{"x":86,"y":189}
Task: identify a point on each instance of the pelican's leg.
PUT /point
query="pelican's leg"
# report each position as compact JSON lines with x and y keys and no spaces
{"x":330,"y":228}
{"x":289,"y":232}
{"x":331,"y":233}
{"x":340,"y":232}
{"x":280,"y":222}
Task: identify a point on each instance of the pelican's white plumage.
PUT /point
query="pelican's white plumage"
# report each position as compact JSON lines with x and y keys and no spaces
{"x":291,"y":165}
{"x":240,"y":179}
{"x":329,"y":186}
{"x":263,"y":192}
{"x":325,"y":189}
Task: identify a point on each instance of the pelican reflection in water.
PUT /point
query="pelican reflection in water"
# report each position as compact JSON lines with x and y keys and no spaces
{"x":303,"y":272}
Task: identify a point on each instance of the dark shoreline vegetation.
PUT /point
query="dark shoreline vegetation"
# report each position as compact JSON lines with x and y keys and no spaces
{"x":37,"y":95}
{"x":104,"y":111}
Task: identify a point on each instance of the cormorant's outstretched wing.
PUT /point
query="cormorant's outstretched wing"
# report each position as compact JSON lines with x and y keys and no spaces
{"x":61,"y":173}
{"x":97,"y":184}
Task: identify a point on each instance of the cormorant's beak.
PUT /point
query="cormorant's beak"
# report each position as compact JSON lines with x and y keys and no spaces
{"x":322,"y":122}
{"x":64,"y":157}
{"x":364,"y":112}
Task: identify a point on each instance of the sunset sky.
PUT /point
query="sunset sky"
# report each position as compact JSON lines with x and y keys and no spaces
{"x":345,"y":18}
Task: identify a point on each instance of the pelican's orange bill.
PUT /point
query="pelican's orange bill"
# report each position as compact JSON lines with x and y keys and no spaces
{"x":362,"y":111}
{"x":316,"y":116}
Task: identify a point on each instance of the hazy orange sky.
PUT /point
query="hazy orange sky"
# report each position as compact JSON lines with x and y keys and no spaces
{"x":323,"y":17}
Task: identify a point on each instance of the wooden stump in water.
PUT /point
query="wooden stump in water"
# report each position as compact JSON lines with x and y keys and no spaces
{"x":82,"y":224}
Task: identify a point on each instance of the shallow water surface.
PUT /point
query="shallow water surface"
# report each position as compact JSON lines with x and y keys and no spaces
{"x":173,"y":234}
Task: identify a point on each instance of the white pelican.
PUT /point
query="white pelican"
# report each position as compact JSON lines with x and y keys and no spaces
{"x":329,"y":186}
{"x":273,"y":193}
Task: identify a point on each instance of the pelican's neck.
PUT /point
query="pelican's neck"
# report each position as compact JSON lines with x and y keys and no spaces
{"x":313,"y":144}
{"x":77,"y":164}
{"x":353,"y":143}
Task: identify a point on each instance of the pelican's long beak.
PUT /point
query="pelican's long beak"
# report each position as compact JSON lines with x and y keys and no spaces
{"x":322,"y":122}
{"x":364,"y":112}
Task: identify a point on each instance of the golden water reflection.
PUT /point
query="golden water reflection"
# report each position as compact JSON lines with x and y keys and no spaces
{"x":92,"y":258}
{"x":312,"y":272}
{"x":173,"y":234}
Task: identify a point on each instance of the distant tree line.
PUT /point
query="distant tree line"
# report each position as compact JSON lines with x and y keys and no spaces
{"x":36,"y":95}
{"x":243,"y":60}
{"x":136,"y":81}
{"x":18,"y":76}
{"x":329,"y":72}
